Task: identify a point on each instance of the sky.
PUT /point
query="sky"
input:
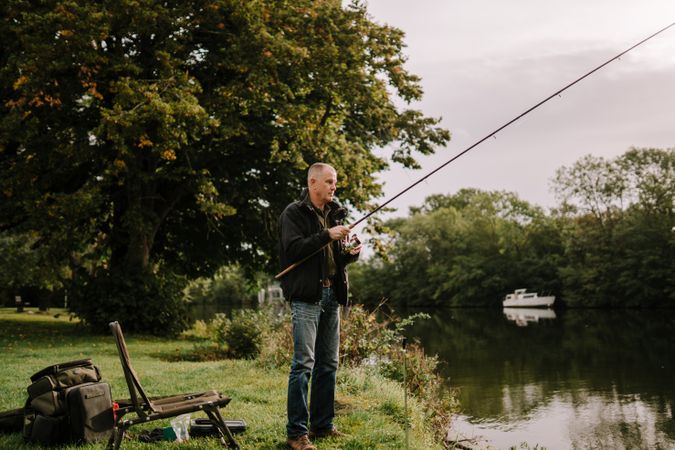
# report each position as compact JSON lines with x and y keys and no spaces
{"x":484,"y":62}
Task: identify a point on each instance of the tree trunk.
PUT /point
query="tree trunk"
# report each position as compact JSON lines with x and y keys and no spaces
{"x":134,"y":229}
{"x":138,"y":252}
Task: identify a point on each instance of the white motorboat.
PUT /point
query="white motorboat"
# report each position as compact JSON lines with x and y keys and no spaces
{"x":523,"y":299}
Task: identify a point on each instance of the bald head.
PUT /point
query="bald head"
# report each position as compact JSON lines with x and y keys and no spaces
{"x":321,"y":181}
{"x":316,"y":170}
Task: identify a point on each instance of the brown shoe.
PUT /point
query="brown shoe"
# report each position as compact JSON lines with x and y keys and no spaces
{"x":300,"y":443}
{"x":327,"y":433}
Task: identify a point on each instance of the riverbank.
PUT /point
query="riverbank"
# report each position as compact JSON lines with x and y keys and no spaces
{"x":370,"y":408}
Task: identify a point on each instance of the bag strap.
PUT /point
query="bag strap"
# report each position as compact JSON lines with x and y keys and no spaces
{"x":51,"y":370}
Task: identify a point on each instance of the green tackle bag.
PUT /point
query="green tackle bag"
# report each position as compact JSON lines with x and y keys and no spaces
{"x":68,"y":403}
{"x":46,"y":392}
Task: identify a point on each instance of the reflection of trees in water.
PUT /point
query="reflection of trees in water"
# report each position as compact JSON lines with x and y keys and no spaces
{"x":519,"y":401}
{"x":615,"y":423}
{"x":507,"y":371}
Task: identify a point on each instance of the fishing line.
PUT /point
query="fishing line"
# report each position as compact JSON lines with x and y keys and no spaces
{"x":489,"y":135}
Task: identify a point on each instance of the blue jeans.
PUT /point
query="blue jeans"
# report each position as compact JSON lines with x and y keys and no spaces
{"x":316,"y":338}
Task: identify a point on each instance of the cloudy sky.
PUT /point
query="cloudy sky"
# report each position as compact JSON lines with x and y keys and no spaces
{"x":484,"y":62}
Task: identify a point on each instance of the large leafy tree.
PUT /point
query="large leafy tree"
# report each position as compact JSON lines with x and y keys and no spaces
{"x":165,"y":137}
{"x":619,"y":250}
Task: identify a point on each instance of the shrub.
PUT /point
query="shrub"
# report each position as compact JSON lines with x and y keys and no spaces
{"x":278,"y":348}
{"x":367,"y":340}
{"x":243,"y":335}
{"x":364,"y":337}
{"x":141,"y":302}
{"x":216,"y":329}
{"x":239,"y":337}
{"x":419,"y":373}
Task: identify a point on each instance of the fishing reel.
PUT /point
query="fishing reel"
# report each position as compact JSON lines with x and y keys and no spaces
{"x":350,"y":243}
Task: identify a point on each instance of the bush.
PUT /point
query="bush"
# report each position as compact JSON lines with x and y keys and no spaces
{"x":419,"y":373}
{"x":239,"y":337}
{"x":367,"y":340}
{"x":364,"y":337}
{"x":243,"y":335}
{"x":141,"y":302}
{"x":216,"y":329}
{"x":277,"y":350}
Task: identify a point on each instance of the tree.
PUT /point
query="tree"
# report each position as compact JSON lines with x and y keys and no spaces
{"x":144,"y":139}
{"x":618,"y":247}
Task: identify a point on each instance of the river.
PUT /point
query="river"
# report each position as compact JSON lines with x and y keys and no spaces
{"x":573,"y":379}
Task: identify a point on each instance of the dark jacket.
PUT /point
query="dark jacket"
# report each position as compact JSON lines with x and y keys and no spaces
{"x":301,"y":234}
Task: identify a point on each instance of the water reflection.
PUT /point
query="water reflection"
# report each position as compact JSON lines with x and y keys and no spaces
{"x":560,"y":423}
{"x":521,"y":316}
{"x":588,"y":379}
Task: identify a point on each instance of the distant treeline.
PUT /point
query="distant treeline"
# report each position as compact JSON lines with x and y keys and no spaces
{"x":608,"y":243}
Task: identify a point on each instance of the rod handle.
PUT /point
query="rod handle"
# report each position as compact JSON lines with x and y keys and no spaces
{"x":286,"y":270}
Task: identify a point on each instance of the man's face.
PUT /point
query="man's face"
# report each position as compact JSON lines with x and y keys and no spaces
{"x":323,"y":185}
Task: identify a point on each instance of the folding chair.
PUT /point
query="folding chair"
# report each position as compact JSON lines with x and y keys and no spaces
{"x":148,"y":409}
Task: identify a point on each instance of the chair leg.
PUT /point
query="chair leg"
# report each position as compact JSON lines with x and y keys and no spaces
{"x":223,"y":430}
{"x":116,"y":438}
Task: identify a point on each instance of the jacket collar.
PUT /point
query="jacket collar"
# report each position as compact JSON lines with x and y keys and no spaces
{"x":305,"y":201}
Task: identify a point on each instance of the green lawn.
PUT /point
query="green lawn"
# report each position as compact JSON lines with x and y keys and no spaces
{"x":369,"y":408}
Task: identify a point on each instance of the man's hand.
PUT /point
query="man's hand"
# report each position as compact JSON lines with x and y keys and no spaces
{"x":356,"y":250}
{"x":353,"y":247}
{"x":338,"y":232}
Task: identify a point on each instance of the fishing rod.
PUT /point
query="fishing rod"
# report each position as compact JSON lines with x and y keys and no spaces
{"x":480,"y":141}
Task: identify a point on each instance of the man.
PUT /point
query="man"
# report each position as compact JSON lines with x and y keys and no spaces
{"x":316,"y":289}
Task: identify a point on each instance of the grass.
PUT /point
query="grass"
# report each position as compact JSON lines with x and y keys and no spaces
{"x":369,"y":407}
